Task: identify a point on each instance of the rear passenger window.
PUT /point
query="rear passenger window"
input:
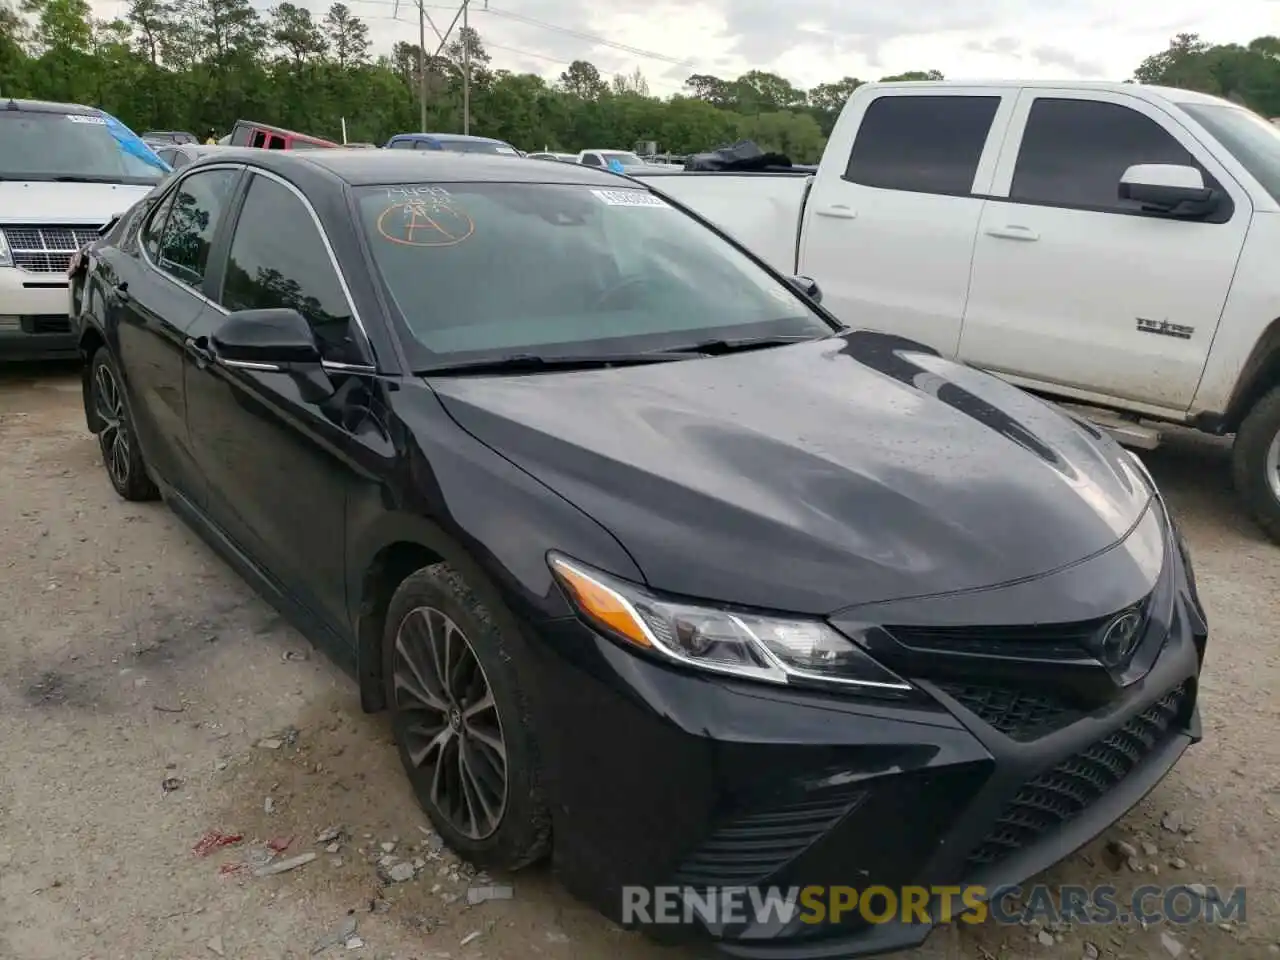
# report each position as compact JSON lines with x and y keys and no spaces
{"x":278,"y":259}
{"x":921,"y":144}
{"x":198,"y":207}
{"x":154,"y":229}
{"x":1074,"y":153}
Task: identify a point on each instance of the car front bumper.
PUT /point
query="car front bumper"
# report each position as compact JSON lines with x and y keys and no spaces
{"x":661,"y":778}
{"x":34,"y":324}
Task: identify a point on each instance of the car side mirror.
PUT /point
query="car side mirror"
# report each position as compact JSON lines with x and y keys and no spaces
{"x":809,"y":287}
{"x":276,"y":340}
{"x":1171,"y":189}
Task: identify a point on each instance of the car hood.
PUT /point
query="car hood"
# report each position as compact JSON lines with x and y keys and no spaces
{"x":811,"y":477}
{"x":30,"y":202}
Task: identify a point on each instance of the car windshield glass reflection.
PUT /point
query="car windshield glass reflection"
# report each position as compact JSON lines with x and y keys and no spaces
{"x":42,"y":145}
{"x":481,"y":269}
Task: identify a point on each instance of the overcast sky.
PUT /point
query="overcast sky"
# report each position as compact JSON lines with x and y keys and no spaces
{"x":812,"y":41}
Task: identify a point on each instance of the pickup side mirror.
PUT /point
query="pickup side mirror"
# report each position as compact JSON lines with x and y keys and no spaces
{"x":808,"y":286}
{"x":277,"y":340}
{"x":1168,"y":188}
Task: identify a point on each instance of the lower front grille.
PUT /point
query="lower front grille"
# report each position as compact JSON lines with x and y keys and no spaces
{"x":46,"y":249}
{"x":1019,"y":714}
{"x":1058,"y":795}
{"x":749,"y":847}
{"x":48,"y":323}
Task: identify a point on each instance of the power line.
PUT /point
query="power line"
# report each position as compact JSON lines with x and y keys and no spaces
{"x":555,"y":28}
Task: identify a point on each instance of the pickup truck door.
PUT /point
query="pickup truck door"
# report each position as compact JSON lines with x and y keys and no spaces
{"x":1079,"y":293}
{"x":890,"y":222}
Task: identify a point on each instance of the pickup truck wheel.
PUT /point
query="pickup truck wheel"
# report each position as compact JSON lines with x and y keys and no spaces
{"x":1255,"y":463}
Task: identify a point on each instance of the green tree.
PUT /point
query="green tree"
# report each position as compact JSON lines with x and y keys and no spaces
{"x":582,"y":80}
{"x":348,"y":36}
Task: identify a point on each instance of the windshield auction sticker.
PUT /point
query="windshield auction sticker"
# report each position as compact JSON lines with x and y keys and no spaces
{"x":628,"y":198}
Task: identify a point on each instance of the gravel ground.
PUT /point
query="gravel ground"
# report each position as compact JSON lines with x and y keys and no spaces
{"x":139,"y":678}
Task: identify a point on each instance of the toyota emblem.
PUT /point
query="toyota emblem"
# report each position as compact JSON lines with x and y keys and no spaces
{"x":1119,"y":637}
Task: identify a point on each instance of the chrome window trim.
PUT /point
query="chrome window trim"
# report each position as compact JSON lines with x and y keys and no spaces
{"x":328,"y":247}
{"x":330,"y":365}
{"x":142,"y":247}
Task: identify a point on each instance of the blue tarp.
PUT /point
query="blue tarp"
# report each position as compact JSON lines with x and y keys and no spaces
{"x":131,"y":143}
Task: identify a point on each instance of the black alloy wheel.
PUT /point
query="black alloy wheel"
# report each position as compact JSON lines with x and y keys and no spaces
{"x":116,"y":437}
{"x":461,"y":718}
{"x":451,"y":725}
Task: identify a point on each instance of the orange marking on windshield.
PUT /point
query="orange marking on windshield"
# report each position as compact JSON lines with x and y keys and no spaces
{"x":423,"y":223}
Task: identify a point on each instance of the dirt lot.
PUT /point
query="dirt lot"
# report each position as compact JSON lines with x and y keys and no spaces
{"x":139,"y":677}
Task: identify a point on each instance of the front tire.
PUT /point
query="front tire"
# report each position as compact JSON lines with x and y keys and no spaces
{"x":1255,"y":463}
{"x":461,"y":722}
{"x":117,"y":438}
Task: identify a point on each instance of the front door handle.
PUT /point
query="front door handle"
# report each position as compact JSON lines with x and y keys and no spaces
{"x":1013,"y":231}
{"x":837,"y":211}
{"x":200,"y":353}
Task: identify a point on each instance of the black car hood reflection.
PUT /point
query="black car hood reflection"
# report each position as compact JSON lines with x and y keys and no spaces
{"x":856,"y":468}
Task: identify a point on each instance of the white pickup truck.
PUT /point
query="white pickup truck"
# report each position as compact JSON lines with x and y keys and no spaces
{"x":1105,"y":244}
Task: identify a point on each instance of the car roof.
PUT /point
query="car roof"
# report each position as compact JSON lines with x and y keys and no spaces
{"x":448,"y":137}
{"x":369,"y":167}
{"x":47,"y":106}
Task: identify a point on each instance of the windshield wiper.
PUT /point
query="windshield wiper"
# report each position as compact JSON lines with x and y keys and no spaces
{"x":719,"y":347}
{"x":518,"y":362}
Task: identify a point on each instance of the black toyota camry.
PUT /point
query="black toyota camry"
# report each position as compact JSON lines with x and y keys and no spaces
{"x":659,"y":569}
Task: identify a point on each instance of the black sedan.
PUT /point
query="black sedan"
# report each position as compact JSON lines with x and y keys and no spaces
{"x":658,"y":568}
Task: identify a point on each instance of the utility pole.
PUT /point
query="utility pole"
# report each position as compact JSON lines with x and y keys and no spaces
{"x":422,"y":65}
{"x":466,"y":71}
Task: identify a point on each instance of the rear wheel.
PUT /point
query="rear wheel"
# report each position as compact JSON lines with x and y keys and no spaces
{"x":460,"y":721}
{"x":121,"y":454}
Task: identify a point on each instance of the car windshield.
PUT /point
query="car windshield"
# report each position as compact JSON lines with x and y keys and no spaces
{"x":42,"y":145}
{"x":477,"y":146}
{"x":624,"y":158}
{"x":492,"y":269}
{"x":1248,"y":137}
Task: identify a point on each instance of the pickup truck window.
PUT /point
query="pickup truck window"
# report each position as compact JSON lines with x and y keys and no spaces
{"x":1250,"y":139}
{"x":1074,"y":153}
{"x":921,"y":144}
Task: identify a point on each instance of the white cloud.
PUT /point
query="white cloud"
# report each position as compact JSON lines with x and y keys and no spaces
{"x":812,"y":41}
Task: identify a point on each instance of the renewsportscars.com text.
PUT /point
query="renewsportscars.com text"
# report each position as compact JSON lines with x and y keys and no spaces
{"x":779,"y":906}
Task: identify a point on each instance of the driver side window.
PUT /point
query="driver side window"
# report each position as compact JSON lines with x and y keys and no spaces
{"x":278,"y":259}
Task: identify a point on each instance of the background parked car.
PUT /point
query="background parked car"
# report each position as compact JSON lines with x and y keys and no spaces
{"x":178,"y":156}
{"x":452,"y":142}
{"x":170,"y":136}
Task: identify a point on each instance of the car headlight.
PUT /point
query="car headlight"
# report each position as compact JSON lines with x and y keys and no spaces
{"x":775,"y":649}
{"x":6,"y":255}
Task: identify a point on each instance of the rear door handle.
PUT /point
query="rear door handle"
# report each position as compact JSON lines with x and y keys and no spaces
{"x":1013,"y":232}
{"x":837,"y":211}
{"x":122,"y":291}
{"x":202,"y":355}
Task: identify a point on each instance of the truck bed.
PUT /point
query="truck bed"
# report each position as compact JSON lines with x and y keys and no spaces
{"x":759,"y":210}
